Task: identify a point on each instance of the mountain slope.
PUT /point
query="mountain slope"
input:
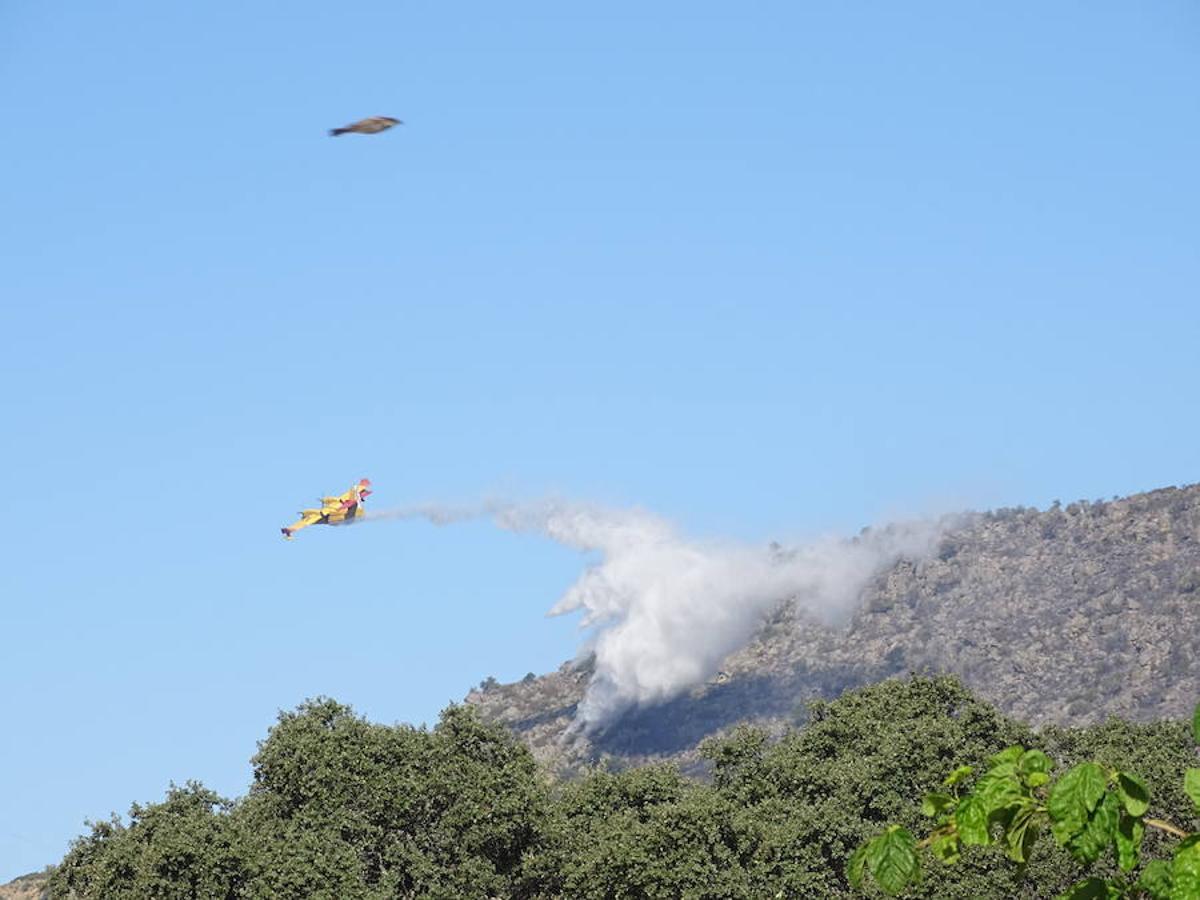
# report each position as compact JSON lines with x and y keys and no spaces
{"x":1067,"y":615}
{"x":27,"y":887}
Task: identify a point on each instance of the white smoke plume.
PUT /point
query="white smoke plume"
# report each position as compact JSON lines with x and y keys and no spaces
{"x":664,"y":610}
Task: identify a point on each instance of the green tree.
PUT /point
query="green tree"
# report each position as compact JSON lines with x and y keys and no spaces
{"x":641,"y":834}
{"x":344,"y":808}
{"x":340,"y":808}
{"x":807,"y":801}
{"x":185,"y":847}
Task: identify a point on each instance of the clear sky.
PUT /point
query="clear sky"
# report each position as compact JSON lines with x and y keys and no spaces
{"x":768,"y":270}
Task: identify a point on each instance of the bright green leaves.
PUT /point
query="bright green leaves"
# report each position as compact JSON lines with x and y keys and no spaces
{"x":1036,"y":779}
{"x":999,"y":791}
{"x":1086,"y":817}
{"x":856,"y":866}
{"x":945,"y":843}
{"x":891,"y":858}
{"x":1185,"y":870}
{"x":958,"y":775}
{"x":947,"y":848}
{"x":1022,"y":832}
{"x":971,"y":817}
{"x":1004,"y":796}
{"x":1032,"y":761}
{"x":1156,"y":879}
{"x":1191,"y":785}
{"x":1128,"y":837}
{"x":1134,"y":794}
{"x":1090,"y":810}
{"x":998,"y":794}
{"x":1034,"y":767}
{"x":1098,"y":832}
{"x":1074,"y":799}
{"x":933,"y":805}
{"x":1009,"y":756}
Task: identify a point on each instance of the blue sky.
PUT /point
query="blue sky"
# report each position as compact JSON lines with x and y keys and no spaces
{"x":768,"y":271}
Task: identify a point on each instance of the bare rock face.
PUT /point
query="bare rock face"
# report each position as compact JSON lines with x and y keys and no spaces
{"x":1066,"y":615}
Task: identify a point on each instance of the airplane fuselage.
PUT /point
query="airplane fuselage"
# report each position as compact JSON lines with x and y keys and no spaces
{"x":337,"y":517}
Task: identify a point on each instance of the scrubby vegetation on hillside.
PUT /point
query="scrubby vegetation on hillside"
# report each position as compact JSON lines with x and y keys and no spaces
{"x":342,"y":808}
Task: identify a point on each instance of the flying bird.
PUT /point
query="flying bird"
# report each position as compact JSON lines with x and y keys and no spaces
{"x":373,"y":125}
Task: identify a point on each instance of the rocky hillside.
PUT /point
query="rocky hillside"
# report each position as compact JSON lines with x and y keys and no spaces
{"x":1065,"y":615}
{"x":27,"y":887}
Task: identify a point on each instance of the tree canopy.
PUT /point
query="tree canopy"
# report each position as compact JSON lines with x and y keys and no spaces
{"x":343,"y":808}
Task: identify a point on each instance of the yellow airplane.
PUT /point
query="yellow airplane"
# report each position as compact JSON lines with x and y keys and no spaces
{"x":337,"y":510}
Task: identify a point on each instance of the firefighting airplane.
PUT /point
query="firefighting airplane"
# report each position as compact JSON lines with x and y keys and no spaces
{"x":338,"y":510}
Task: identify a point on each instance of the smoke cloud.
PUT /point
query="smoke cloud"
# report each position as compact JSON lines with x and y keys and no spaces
{"x":663,"y":611}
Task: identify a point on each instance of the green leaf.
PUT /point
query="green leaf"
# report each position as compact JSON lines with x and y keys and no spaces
{"x":1156,"y":879}
{"x":892,"y":859}
{"x":854,"y":867}
{"x":998,"y":791}
{"x":1073,"y":798}
{"x":947,"y":848}
{"x":1196,"y":725}
{"x":1185,"y":870}
{"x":1135,"y":796}
{"x":1036,"y":779}
{"x":1034,"y":761}
{"x":1005,"y":762}
{"x":971,"y":818}
{"x":1005,"y":756}
{"x":1129,"y":841}
{"x":1021,"y":834}
{"x":1089,"y":841}
{"x":935,"y":804}
{"x":1091,"y":889}
{"x":1191,"y":785}
{"x":960,"y":773}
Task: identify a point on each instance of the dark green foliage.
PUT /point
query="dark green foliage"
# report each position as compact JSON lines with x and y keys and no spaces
{"x":339,"y":808}
{"x":186,"y":846}
{"x":647,"y":832}
{"x":810,"y":799}
{"x":343,"y":808}
{"x":398,"y":811}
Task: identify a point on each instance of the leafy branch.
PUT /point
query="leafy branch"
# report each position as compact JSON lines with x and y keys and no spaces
{"x":1088,"y":810}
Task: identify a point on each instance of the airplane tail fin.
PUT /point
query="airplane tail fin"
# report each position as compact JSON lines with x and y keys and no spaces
{"x":334,"y":132}
{"x":287,"y":533}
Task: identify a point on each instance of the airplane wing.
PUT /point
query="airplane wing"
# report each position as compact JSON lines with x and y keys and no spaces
{"x":308,"y":517}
